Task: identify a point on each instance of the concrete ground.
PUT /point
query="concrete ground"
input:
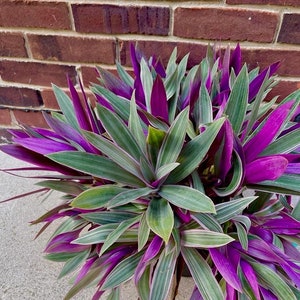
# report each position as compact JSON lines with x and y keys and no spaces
{"x":24,"y":273}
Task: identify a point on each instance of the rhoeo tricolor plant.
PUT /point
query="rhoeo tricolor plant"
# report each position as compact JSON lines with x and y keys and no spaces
{"x":174,"y":168}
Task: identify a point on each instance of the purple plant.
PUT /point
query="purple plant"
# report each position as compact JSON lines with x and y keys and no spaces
{"x":174,"y":168}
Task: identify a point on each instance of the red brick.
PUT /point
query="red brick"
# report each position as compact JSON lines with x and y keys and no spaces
{"x":89,"y":76}
{"x":30,"y":117}
{"x":49,"y":99}
{"x":114,"y":19}
{"x":72,"y":49}
{"x":12,"y":45}
{"x":36,"y":73}
{"x":265,"y":2}
{"x":290,"y":29}
{"x":5,"y":118}
{"x":225,"y":24}
{"x":34,"y":14}
{"x":23,"y":97}
{"x":163,"y":50}
{"x":283,"y":89}
{"x":290,"y":60}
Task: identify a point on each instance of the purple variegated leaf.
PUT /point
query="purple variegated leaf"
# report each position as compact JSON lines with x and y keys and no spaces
{"x":114,"y":84}
{"x":230,"y":293}
{"x":268,"y":295}
{"x":265,"y":168}
{"x":66,"y":247}
{"x":69,"y":133}
{"x":267,"y":132}
{"x":226,"y":269}
{"x":293,"y":168}
{"x":282,"y":224}
{"x":224,"y":84}
{"x":34,"y":158}
{"x":98,"y":295}
{"x":236,"y":59}
{"x":18,"y":133}
{"x":103,"y":102}
{"x":291,"y":251}
{"x":85,"y":268}
{"x":49,"y":134}
{"x":43,"y":146}
{"x":256,"y":83}
{"x":79,"y":110}
{"x":158,"y":102}
{"x":196,"y":294}
{"x":250,"y":275}
{"x":264,"y":234}
{"x":136,"y":57}
{"x":158,"y":66}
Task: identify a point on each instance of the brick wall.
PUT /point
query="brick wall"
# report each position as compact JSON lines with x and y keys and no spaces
{"x":42,"y":41}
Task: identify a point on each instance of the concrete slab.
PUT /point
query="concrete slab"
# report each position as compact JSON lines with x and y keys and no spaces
{"x":25,"y":274}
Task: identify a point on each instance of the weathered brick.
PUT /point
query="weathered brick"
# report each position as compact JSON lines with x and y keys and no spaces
{"x":283,"y":89}
{"x":290,"y":59}
{"x":34,"y":14}
{"x":49,"y":99}
{"x":290,"y":29}
{"x":89,"y":75}
{"x":12,"y":45}
{"x":5,"y":118}
{"x":30,"y":118}
{"x":115,"y":19}
{"x":163,"y":50}
{"x":36,"y":73}
{"x":265,"y":2}
{"x":23,"y":97}
{"x":72,"y":49}
{"x":225,"y":24}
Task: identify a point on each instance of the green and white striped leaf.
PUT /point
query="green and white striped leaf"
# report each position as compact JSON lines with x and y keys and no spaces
{"x":114,"y":294}
{"x":228,"y":210}
{"x":67,"y":187}
{"x":207,"y":221}
{"x":160,"y":218}
{"x":122,"y":272}
{"x":96,"y":235}
{"x":107,"y":217}
{"x":143,"y":232}
{"x":202,"y":275}
{"x":114,"y":235}
{"x":198,"y":238}
{"x":114,"y":152}
{"x":238,"y":100}
{"x":187,"y":198}
{"x":118,"y":131}
{"x":273,"y":281}
{"x":143,"y":286}
{"x":124,"y":75}
{"x":173,"y":141}
{"x":147,"y":82}
{"x":165,"y":170}
{"x":128,"y":196}
{"x":162,"y":277}
{"x":242,"y":235}
{"x":96,"y":165}
{"x":194,"y":152}
{"x":96,"y":197}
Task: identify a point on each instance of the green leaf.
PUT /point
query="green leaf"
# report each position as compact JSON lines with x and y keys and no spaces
{"x":163,"y":275}
{"x":120,"y":105}
{"x":66,"y":106}
{"x":238,"y":100}
{"x":129,"y":196}
{"x":160,"y":218}
{"x":199,"y":238}
{"x":273,"y":281}
{"x":114,"y":152}
{"x":118,"y":131}
{"x":173,"y":141}
{"x":135,"y":125}
{"x":107,"y":217}
{"x":147,"y":82}
{"x":143,"y":286}
{"x":229,"y":209}
{"x":95,"y":165}
{"x":165,"y":170}
{"x":67,"y":187}
{"x":114,"y":235}
{"x":187,"y":198}
{"x":60,"y":256}
{"x":73,"y":263}
{"x":124,"y":75}
{"x":236,"y":177}
{"x":296,"y":211}
{"x":242,"y":234}
{"x":114,"y":294}
{"x":96,"y":197}
{"x":207,"y":221}
{"x":202,"y":274}
{"x":122,"y":272}
{"x":96,"y":236}
{"x":284,"y":144}
{"x":143,"y":232}
{"x":194,"y":152}
{"x":155,"y":138}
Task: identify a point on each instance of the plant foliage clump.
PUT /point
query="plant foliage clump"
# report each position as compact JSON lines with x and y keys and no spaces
{"x":174,"y":167}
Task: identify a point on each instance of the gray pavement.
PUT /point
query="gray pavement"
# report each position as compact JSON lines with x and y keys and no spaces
{"x":24,"y":273}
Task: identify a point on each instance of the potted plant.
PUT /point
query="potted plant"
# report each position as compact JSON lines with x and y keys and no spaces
{"x":174,"y":169}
